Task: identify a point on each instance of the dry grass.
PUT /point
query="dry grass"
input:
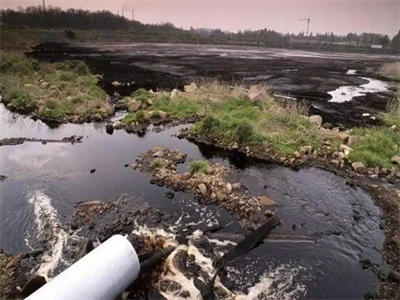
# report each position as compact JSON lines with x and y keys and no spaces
{"x":391,"y":70}
{"x":50,"y":90}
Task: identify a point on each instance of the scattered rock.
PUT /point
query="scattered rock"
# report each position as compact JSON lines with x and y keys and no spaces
{"x":397,"y":174}
{"x":384,"y":171}
{"x":268,"y":212}
{"x":2,"y":177}
{"x":203,"y":188}
{"x":33,"y":285}
{"x":235,"y":186}
{"x":256,"y":94}
{"x":341,"y":156}
{"x":327,"y":126}
{"x":12,"y":263}
{"x":162,"y":114}
{"x":92,"y":171}
{"x":228,"y":188}
{"x":265,"y":186}
{"x":346,"y":149}
{"x":174,"y":93}
{"x":209,"y":170}
{"x":305,"y":150}
{"x":394,"y":276}
{"x":118,"y":125}
{"x":213,"y":196}
{"x":159,"y":153}
{"x":359,"y":167}
{"x":190,"y":88}
{"x":169,"y":195}
{"x":134,"y":106}
{"x":109,"y":128}
{"x":265,"y":201}
{"x":186,"y":176}
{"x":133,"y":166}
{"x":351,"y":140}
{"x":220,"y":196}
{"x":297,"y":154}
{"x":316,"y":119}
{"x":97,"y":118}
{"x":396,"y":160}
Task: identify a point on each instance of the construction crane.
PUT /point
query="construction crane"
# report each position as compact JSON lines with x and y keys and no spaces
{"x":308,"y":22}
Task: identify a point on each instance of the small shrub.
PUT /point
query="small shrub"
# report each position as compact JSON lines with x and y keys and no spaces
{"x":141,"y":116}
{"x":246,"y":134}
{"x":129,"y":118}
{"x":69,"y":34}
{"x":22,"y":100}
{"x":65,"y":76}
{"x":140,"y":93}
{"x":158,"y":163}
{"x":198,"y":166}
{"x":157,"y":114}
{"x":82,"y":69}
{"x":66,"y":65}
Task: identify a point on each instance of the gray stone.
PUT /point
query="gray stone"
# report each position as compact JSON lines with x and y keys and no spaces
{"x":305,"y":150}
{"x":256,"y":94}
{"x":229,"y":188}
{"x":396,"y":159}
{"x":316,"y":119}
{"x":297,"y":154}
{"x":359,"y":167}
{"x":186,"y":176}
{"x":118,"y":125}
{"x":134,"y":106}
{"x":265,"y":201}
{"x":159,"y":153}
{"x":190,"y":88}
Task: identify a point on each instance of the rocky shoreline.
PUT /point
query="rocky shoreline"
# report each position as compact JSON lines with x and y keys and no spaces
{"x":211,"y":187}
{"x":20,"y":140}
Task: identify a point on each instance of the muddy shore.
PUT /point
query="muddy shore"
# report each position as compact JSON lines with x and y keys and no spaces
{"x":299,"y":74}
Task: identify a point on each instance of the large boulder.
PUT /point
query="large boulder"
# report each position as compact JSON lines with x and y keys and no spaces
{"x":316,"y":119}
{"x":359,"y":167}
{"x":134,"y":106}
{"x":256,"y":94}
{"x":190,"y":88}
{"x":174,"y":93}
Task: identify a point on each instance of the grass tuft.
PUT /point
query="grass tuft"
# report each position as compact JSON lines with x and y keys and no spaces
{"x":140,"y":116}
{"x":198,"y":166}
{"x":158,"y":163}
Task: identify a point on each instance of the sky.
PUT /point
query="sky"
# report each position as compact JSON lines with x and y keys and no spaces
{"x":338,"y":16}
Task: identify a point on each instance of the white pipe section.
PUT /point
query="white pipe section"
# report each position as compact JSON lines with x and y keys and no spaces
{"x":101,"y":274}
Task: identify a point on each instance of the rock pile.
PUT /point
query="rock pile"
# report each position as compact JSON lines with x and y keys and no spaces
{"x":210,"y":187}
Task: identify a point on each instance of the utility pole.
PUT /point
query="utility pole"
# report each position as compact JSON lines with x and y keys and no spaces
{"x":44,"y":5}
{"x":118,"y":12}
{"x":122,"y":13}
{"x":132,"y":16}
{"x":308,"y":22}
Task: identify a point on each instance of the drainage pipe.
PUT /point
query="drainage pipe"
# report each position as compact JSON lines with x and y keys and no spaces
{"x":101,"y":274}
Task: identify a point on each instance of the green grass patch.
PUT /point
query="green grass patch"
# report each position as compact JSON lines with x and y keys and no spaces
{"x":140,"y":116}
{"x":51,"y":90}
{"x":198,"y":166}
{"x":376,"y":146}
{"x":179,"y":108}
{"x":158,"y":163}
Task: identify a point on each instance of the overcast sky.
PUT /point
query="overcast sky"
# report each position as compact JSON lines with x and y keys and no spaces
{"x":339,"y":16}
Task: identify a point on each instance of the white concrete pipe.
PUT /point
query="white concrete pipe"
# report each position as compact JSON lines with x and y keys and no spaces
{"x":101,"y":274}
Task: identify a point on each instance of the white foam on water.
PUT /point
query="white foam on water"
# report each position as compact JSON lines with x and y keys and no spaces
{"x":351,"y":72}
{"x":48,"y":227}
{"x":346,"y":93}
{"x":280,"y":284}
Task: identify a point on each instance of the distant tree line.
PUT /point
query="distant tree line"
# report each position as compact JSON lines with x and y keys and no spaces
{"x":78,"y":19}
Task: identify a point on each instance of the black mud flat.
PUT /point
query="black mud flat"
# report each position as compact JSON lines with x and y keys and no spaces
{"x":127,"y":67}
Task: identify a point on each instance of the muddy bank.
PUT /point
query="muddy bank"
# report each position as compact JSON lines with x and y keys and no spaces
{"x":298,"y":74}
{"x":20,"y":140}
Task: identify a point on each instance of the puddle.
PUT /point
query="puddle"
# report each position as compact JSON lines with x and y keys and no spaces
{"x":45,"y":181}
{"x":346,"y":93}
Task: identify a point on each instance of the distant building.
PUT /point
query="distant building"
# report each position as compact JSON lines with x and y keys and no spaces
{"x":376,"y":46}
